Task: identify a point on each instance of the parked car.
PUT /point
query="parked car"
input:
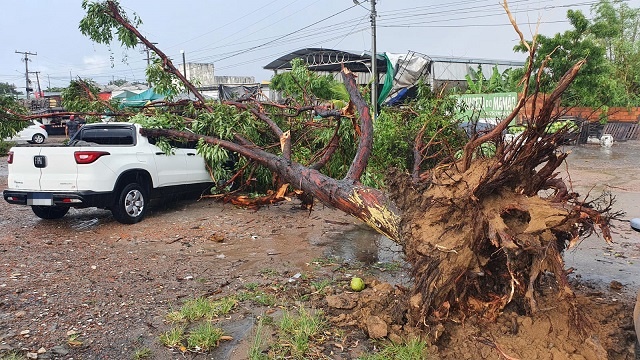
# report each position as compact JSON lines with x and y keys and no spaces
{"x":34,"y":133}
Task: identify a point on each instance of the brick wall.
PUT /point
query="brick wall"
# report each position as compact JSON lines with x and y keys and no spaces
{"x":615,"y":114}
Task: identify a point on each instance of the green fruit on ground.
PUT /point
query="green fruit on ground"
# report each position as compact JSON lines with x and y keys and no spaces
{"x":357,"y":284}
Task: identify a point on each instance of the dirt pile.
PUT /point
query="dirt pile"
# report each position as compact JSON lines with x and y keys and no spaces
{"x":605,"y":329}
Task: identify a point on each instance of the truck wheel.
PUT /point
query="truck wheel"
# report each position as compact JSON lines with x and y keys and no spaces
{"x":37,"y":138}
{"x":130,"y":206}
{"x":50,"y":212}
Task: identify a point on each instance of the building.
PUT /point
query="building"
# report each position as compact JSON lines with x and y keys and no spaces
{"x":408,"y":69}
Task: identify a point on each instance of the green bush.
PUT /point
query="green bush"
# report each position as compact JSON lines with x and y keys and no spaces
{"x":5,"y":146}
{"x":564,"y":125}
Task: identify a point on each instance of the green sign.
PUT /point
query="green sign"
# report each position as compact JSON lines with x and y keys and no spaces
{"x":488,"y":107}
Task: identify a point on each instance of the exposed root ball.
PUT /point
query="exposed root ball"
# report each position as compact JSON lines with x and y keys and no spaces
{"x":478,"y":254}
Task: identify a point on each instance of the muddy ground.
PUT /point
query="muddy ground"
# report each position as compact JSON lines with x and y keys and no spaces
{"x":87,"y":287}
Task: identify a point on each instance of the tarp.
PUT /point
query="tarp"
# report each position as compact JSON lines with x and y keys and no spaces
{"x":124,"y":94}
{"x":142,"y":99}
{"x":409,"y":68}
{"x":237,"y":92}
{"x":388,"y":82}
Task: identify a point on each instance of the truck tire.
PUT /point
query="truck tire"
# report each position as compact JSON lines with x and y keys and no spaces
{"x":130,"y":205}
{"x":50,"y":212}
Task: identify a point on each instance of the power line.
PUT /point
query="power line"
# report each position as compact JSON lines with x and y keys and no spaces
{"x":490,"y":13}
{"x":264,"y":27}
{"x":471,"y":25}
{"x":222,"y":26}
{"x":288,"y":34}
{"x":323,"y":34}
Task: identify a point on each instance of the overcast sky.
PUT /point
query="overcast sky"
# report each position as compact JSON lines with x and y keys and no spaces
{"x":240,"y":37}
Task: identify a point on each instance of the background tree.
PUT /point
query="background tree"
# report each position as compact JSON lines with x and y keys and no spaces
{"x":609,"y":43}
{"x":8,"y":89}
{"x":55,"y":89}
{"x":12,"y":114}
{"x":117,"y":82}
{"x":594,"y":86}
{"x":477,"y":83}
{"x":616,"y":26}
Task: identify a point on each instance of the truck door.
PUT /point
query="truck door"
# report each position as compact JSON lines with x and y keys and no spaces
{"x":171,"y":169}
{"x":196,"y":168}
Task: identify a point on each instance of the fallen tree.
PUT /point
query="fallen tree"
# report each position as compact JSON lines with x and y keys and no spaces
{"x":476,"y":230}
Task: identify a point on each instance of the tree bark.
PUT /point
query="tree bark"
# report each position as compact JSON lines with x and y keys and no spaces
{"x":367,"y":204}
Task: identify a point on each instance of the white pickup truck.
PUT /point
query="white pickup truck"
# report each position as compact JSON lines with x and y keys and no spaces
{"x":105,"y":165}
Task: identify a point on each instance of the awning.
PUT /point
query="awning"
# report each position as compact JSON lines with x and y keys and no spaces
{"x":319,"y":59}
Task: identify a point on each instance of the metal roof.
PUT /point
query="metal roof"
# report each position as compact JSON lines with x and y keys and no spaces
{"x":319,"y":59}
{"x":462,"y":60}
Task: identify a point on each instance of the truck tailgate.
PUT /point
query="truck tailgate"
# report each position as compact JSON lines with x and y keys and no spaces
{"x":42,"y":169}
{"x":61,"y":170}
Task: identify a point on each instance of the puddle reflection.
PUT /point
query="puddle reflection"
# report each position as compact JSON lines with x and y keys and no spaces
{"x":364,"y":245}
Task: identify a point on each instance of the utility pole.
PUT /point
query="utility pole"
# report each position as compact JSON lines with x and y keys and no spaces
{"x":37,"y":81}
{"x":184,"y":66}
{"x":26,"y":69}
{"x":148,"y":58}
{"x":374,"y":68}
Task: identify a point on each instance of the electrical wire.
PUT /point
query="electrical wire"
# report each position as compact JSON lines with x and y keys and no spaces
{"x":286,"y":35}
{"x":397,"y":18}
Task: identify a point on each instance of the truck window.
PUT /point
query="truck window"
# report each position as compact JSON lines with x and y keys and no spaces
{"x":107,"y":136}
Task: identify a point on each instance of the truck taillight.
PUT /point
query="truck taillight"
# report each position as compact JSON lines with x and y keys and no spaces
{"x":87,"y":157}
{"x":10,"y":158}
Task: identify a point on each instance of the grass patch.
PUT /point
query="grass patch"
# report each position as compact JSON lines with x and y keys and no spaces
{"x":255,"y":351}
{"x":172,"y":338}
{"x":320,"y":262}
{"x":74,"y":340}
{"x":204,"y":337}
{"x":297,"y":332}
{"x":319,"y":286}
{"x":143,"y":353}
{"x":258,"y":297}
{"x":269,"y":272}
{"x":202,"y":308}
{"x":12,"y":356}
{"x":251,"y":286}
{"x":413,"y":349}
{"x":388,"y":266}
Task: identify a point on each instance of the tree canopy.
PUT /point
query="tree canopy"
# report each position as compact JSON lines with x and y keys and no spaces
{"x":8,"y":89}
{"x":609,"y":43}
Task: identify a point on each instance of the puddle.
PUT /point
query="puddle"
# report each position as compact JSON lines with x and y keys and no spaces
{"x":239,"y":330}
{"x":363,"y":245}
{"x":87,"y":219}
{"x":594,"y":169}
